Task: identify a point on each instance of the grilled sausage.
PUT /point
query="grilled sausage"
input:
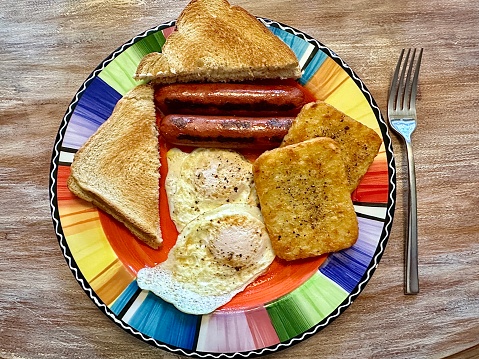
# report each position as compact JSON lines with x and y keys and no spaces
{"x":225,"y":131}
{"x":238,"y":99}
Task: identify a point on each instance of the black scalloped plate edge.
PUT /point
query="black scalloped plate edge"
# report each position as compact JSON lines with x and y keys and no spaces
{"x":253,"y":353}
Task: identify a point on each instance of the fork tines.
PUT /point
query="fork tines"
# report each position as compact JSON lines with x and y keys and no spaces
{"x":403,"y":93}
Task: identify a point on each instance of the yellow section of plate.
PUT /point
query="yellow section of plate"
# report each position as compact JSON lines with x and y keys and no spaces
{"x":332,"y":84}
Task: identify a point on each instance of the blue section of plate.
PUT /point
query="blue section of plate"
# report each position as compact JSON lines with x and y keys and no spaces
{"x":313,"y":66}
{"x":93,"y":108}
{"x":348,"y":266}
{"x":125,"y":297}
{"x":300,"y":47}
{"x":153,"y":315}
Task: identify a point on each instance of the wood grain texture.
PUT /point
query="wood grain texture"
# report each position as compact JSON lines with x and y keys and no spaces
{"x":49,"y":48}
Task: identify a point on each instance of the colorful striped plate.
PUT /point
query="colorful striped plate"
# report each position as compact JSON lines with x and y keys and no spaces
{"x":286,"y":305}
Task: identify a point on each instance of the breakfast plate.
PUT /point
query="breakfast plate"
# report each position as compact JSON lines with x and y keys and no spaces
{"x":289,"y":303}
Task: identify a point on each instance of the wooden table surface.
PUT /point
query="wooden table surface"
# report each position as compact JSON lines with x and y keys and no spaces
{"x":49,"y":48}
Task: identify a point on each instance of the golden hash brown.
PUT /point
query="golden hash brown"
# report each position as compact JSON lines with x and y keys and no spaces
{"x":305,"y":199}
{"x":359,"y":144}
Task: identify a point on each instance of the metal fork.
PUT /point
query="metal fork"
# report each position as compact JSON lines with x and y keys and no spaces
{"x":402,"y":119}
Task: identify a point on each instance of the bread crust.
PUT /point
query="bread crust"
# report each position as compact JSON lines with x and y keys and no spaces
{"x":217,"y":42}
{"x":117,"y":169}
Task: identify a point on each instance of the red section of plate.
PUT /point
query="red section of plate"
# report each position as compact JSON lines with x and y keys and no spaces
{"x":374,"y":186}
{"x":281,"y":278}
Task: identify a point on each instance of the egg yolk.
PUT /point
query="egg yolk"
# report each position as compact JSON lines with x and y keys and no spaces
{"x":238,"y":245}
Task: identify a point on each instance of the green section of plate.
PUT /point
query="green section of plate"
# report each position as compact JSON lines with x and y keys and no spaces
{"x":303,"y":308}
{"x":119,"y":73}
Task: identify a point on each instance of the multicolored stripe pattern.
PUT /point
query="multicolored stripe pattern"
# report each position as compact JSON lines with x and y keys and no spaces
{"x":225,"y":333}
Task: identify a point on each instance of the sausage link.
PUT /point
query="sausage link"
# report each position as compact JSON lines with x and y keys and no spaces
{"x":238,"y":99}
{"x":225,"y":131}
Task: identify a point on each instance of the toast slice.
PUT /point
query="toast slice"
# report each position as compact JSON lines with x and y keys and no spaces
{"x":217,"y":42}
{"x":117,"y":169}
{"x":359,"y":144}
{"x":305,"y":199}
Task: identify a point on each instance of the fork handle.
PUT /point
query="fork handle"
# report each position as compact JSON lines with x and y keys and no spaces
{"x":412,"y":276}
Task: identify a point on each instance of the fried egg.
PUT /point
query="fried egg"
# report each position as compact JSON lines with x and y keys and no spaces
{"x":215,"y":257}
{"x":205,"y":179}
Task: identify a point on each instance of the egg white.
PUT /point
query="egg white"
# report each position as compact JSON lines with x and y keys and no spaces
{"x":205,"y":179}
{"x":215,"y":257}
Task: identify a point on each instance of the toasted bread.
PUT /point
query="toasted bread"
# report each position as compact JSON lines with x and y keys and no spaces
{"x":359,"y":144}
{"x":117,"y":169}
{"x":217,"y":42}
{"x":305,"y":199}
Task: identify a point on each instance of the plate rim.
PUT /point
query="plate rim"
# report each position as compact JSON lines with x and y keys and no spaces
{"x":379,"y":251}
